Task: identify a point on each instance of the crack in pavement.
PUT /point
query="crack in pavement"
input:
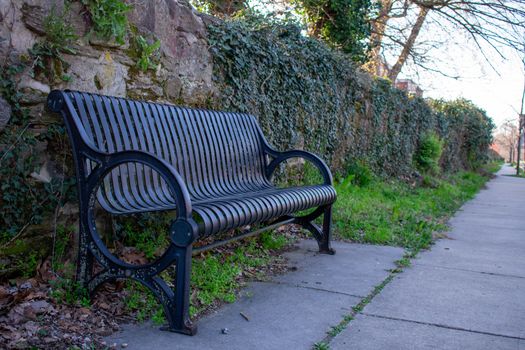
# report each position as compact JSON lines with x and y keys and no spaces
{"x":467,"y":270}
{"x":443,"y":326}
{"x":314,"y":288}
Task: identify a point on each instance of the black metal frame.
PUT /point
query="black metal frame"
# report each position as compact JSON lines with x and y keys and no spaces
{"x":184,"y":230}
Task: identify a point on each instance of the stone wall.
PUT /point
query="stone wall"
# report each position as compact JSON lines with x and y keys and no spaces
{"x":103,"y":66}
{"x":184,"y":75}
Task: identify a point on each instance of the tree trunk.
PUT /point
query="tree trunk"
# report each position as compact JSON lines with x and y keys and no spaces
{"x":376,"y":39}
{"x":407,"y":48}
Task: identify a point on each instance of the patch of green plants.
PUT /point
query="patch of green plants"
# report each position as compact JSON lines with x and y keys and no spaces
{"x":47,"y":55}
{"x":358,"y":174}
{"x":29,"y":265}
{"x":24,"y":201}
{"x":272,"y":241}
{"x":65,"y":290}
{"x":321,"y":346}
{"x":61,"y":243}
{"x":429,"y":153}
{"x":141,"y":301}
{"x":335,"y":330}
{"x":109,"y":18}
{"x":148,"y":54}
{"x":215,"y":278}
{"x":393,"y":212}
{"x":146,"y":232}
{"x":495,"y":166}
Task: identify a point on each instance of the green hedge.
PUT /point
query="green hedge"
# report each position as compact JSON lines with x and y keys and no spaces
{"x":305,"y":93}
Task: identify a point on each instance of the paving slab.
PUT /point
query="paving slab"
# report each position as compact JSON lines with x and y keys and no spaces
{"x":280,"y":317}
{"x":292,"y":311}
{"x":361,"y":267}
{"x":477,"y":256}
{"x":367,"y":332}
{"x":455,"y":298}
{"x":488,"y":234}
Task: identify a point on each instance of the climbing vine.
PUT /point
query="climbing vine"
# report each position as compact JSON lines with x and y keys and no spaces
{"x":305,"y":93}
{"x":24,"y":200}
{"x":342,"y":23}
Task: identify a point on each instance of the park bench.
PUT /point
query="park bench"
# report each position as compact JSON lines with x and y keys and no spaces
{"x":213,"y":169}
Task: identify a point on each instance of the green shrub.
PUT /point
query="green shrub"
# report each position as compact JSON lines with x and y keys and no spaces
{"x":359,"y":174}
{"x":429,"y":152}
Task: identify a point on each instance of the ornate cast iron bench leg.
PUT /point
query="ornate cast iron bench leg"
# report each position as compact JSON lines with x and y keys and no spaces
{"x":175,"y":303}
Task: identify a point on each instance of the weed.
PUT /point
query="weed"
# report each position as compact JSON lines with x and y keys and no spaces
{"x":141,"y":301}
{"x":109,"y":18}
{"x":215,"y":280}
{"x":429,"y":152}
{"x":67,"y":291}
{"x":358,"y":173}
{"x":146,"y":232}
{"x":61,"y":243}
{"x":29,"y":265}
{"x":46,"y":55}
{"x":148,"y":54}
{"x":272,"y":241}
{"x":321,"y":346}
{"x":335,"y":330}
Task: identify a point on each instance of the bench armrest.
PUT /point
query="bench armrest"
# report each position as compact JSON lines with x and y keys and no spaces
{"x":109,"y":161}
{"x":280,"y":157}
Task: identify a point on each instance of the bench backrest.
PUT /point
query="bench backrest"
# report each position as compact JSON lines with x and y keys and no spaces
{"x":217,"y":153}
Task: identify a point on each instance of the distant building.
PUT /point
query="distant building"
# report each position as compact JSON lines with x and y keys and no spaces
{"x":409,"y":86}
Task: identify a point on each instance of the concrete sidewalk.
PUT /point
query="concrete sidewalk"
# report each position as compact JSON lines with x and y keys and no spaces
{"x":468,"y":292}
{"x":292,"y":311}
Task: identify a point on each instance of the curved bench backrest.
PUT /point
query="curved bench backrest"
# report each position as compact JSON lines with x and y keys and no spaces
{"x":217,"y":153}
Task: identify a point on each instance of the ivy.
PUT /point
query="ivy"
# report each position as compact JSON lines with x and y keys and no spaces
{"x":305,"y":93}
{"x":342,"y":23}
{"x":23,"y":200}
{"x":148,"y":54}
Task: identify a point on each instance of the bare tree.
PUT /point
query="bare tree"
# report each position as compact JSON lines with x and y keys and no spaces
{"x":507,"y":139}
{"x":491,"y":24}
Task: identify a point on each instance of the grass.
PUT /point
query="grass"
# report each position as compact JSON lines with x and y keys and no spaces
{"x":393,"y":212}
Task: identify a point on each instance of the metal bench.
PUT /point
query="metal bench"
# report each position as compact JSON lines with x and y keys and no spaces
{"x":213,"y":168}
